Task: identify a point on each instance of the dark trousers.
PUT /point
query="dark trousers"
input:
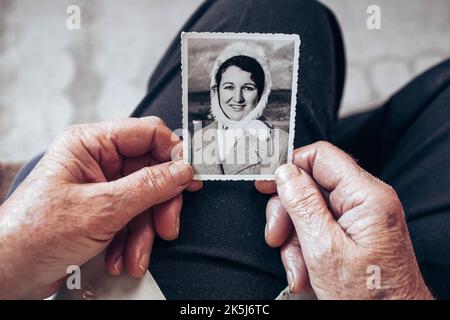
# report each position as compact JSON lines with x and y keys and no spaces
{"x":221,"y":252}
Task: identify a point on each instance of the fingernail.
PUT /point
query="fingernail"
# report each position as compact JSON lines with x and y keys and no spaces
{"x":181,"y":172}
{"x":178,"y":226}
{"x":266,"y":231}
{"x":291,"y":280}
{"x":178,"y":156}
{"x":118,"y":264}
{"x":143,"y":262}
{"x":285,"y":173}
{"x":269,"y":226}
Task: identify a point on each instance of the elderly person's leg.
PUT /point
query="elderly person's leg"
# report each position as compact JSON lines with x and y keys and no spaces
{"x":221,"y":251}
{"x":407,"y":144}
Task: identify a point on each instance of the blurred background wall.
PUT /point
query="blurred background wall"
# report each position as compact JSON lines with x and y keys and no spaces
{"x":51,"y":77}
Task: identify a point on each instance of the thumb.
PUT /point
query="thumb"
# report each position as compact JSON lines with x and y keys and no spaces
{"x":135,"y":193}
{"x":314,"y":224}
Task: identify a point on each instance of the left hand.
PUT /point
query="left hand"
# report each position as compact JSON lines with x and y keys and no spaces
{"x":93,"y":181}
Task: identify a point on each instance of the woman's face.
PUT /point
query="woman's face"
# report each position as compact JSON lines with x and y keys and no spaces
{"x":238,"y":93}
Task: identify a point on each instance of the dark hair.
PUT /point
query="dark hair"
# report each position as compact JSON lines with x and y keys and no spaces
{"x":247,"y":64}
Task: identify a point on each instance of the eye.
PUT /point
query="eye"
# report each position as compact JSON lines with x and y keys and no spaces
{"x":228,"y":87}
{"x":249,"y":88}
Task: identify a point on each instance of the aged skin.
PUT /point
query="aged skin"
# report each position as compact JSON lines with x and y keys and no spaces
{"x":334,"y":222}
{"x":332,"y":219}
{"x":93,"y":181}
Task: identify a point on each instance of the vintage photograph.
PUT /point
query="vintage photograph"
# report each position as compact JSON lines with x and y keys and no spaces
{"x":113,"y":113}
{"x":239,"y":99}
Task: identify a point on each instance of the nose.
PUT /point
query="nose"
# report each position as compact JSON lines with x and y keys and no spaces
{"x":238,"y":96}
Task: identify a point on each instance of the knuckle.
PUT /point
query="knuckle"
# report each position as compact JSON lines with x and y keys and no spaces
{"x":77,"y":128}
{"x":158,"y":120}
{"x":77,"y":131}
{"x":324,"y":145}
{"x":70,"y":131}
{"x":153,"y":181}
{"x":387,"y":206}
{"x":306,"y":205}
{"x":390,"y":199}
{"x":72,"y":128}
{"x":66,"y":138}
{"x":391,"y":193}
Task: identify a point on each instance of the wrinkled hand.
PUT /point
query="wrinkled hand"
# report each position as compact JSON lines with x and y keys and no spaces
{"x":340,"y":228}
{"x":97,"y":182}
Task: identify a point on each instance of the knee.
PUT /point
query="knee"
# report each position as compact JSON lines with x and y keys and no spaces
{"x":274,"y":10}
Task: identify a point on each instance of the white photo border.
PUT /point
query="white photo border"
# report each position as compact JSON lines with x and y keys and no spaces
{"x":184,"y":76}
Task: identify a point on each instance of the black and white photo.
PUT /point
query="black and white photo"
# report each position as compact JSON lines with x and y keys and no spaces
{"x":239,"y":99}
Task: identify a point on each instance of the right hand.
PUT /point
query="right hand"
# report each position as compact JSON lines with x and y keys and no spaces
{"x":337,"y":226}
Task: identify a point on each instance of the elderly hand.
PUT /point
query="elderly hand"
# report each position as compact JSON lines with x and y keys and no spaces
{"x":341,"y":230}
{"x":96,"y":183}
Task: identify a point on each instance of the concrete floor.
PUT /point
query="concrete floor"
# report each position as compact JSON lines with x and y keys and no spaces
{"x":51,"y":77}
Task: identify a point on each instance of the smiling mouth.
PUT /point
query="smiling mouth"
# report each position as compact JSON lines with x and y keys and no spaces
{"x":237,"y":107}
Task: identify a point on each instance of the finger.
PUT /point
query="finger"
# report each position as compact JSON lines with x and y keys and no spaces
{"x":194,"y":186}
{"x":135,"y":137}
{"x":166,"y":218}
{"x":99,"y":148}
{"x":139,"y":244}
{"x":267,"y":187}
{"x":313,"y":222}
{"x":114,"y":258}
{"x":131,"y":165}
{"x":141,"y":190}
{"x":294,"y":264}
{"x":134,"y":164}
{"x":336,"y":172}
{"x":177,"y":154}
{"x":106,"y":142}
{"x":279,"y":224}
{"x":326,"y":164}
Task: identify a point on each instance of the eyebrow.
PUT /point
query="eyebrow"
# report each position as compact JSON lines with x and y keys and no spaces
{"x":245,"y":84}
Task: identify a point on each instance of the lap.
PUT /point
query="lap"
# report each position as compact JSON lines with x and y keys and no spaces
{"x":221,"y":251}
